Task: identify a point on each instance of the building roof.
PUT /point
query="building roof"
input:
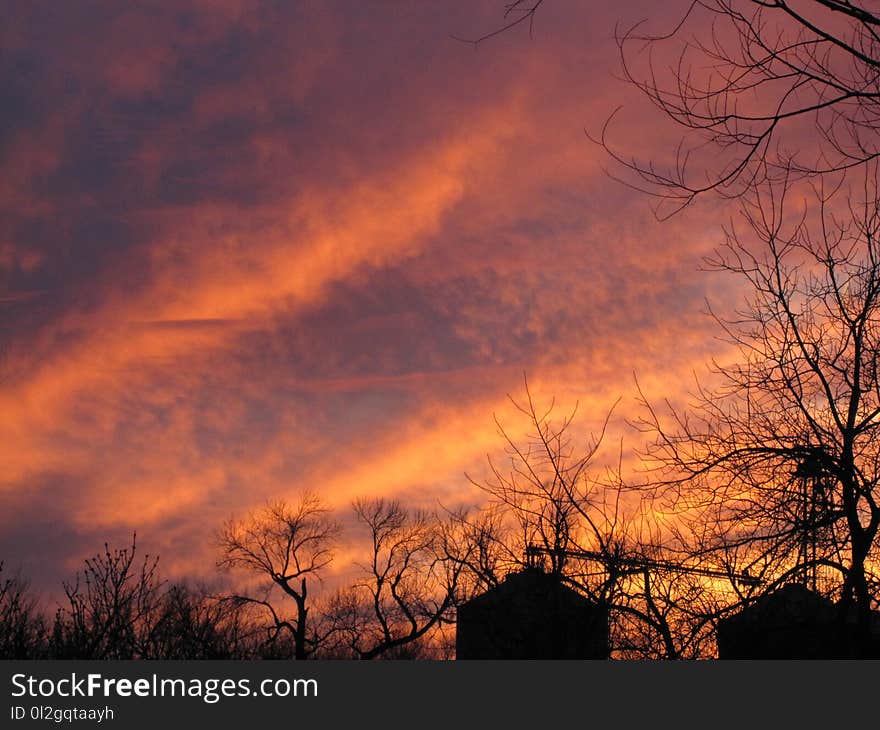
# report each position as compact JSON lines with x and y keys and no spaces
{"x":531,"y":615}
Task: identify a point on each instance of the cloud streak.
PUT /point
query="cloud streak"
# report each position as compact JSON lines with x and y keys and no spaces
{"x":251,"y":248}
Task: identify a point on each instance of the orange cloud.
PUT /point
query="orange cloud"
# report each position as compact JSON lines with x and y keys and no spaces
{"x":274,"y":253}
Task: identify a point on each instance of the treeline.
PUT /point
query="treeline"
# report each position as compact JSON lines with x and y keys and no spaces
{"x":384,"y":581}
{"x":396,"y":603}
{"x":393,"y":596}
{"x":117,"y":608}
{"x":667,"y":559}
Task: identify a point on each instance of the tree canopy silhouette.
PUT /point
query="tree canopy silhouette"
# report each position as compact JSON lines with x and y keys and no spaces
{"x":763,"y":90}
{"x":550,"y":507}
{"x":403,"y":587}
{"x":778,"y":462}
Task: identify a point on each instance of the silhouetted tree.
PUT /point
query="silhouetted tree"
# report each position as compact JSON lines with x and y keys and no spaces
{"x":407,"y":588}
{"x":118,"y":607}
{"x":516,"y":12}
{"x":479,"y":541}
{"x":191,"y":623}
{"x":763,"y":89}
{"x":549,"y":507}
{"x":775,"y":469}
{"x":289,"y":546}
{"x":22,"y":627}
{"x":109,"y":608}
{"x":778,"y":464}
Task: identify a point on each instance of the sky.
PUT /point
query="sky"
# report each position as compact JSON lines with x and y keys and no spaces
{"x":253,"y":248}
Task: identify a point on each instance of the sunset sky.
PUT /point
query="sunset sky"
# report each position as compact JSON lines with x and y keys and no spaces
{"x":248,"y":248}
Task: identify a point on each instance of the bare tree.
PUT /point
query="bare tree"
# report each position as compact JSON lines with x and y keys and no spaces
{"x":192,"y":623}
{"x":480,"y":542}
{"x":779,"y":463}
{"x":775,"y":469}
{"x":109,"y":607}
{"x":22,"y":627}
{"x":516,"y":12}
{"x":407,"y":588}
{"x":548,"y":508}
{"x":762,"y":88}
{"x":287,"y":547}
{"x":118,"y":607}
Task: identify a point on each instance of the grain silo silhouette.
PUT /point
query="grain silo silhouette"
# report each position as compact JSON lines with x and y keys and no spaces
{"x":531,"y":615}
{"x":794,"y":622}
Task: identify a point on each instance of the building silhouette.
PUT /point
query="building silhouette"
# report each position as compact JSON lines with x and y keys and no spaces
{"x":531,"y":615}
{"x":794,"y":622}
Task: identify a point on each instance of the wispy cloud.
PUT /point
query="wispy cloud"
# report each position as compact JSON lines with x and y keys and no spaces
{"x":249,"y":248}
